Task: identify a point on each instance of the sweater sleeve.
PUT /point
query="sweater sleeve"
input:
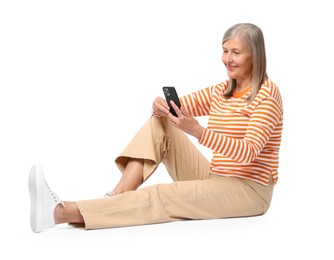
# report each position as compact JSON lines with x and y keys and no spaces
{"x":198,"y":103}
{"x":262,"y":123}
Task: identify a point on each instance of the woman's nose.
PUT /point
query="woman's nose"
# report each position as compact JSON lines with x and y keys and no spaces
{"x":226,"y":57}
{"x":229,"y":57}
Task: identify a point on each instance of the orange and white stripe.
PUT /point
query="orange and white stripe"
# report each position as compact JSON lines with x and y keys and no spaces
{"x":244,"y":137}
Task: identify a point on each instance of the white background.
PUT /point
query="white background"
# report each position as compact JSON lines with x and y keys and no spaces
{"x":77,"y":80}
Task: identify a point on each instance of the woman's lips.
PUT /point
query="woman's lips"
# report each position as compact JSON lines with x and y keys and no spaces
{"x":231,"y":68}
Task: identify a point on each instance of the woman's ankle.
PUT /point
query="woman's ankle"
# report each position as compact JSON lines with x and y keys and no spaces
{"x":69,"y":213}
{"x":59,"y":213}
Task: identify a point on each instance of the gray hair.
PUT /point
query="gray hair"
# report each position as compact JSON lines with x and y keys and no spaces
{"x":254,"y":40}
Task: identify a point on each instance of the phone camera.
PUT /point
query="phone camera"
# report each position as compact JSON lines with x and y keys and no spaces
{"x":167,"y":92}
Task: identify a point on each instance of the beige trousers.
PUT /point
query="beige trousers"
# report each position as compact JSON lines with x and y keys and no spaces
{"x":194,"y":194}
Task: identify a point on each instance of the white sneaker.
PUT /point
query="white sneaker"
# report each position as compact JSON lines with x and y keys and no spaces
{"x":42,"y":201}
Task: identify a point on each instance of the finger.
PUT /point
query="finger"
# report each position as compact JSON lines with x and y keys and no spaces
{"x":155,"y":114}
{"x":160,"y":106}
{"x":173,"y":119}
{"x":162,"y":102}
{"x":176,"y":108}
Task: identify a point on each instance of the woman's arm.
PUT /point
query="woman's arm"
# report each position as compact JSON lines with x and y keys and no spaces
{"x":198,"y":103}
{"x":262,"y":123}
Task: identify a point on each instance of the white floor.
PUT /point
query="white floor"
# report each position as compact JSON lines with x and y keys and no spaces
{"x":297,"y":225}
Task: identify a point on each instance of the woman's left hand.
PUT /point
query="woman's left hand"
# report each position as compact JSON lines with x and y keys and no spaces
{"x":185,"y":122}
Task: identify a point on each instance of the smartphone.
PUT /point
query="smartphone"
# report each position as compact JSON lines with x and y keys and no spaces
{"x":171,"y":95}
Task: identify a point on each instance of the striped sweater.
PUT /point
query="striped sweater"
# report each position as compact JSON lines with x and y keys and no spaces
{"x":244,"y":137}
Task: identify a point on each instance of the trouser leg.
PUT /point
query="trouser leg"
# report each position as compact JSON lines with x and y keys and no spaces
{"x":216,"y":197}
{"x":195,"y":194}
{"x":158,"y":141}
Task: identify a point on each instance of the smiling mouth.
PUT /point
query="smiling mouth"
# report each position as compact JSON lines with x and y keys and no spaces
{"x":231,"y":68}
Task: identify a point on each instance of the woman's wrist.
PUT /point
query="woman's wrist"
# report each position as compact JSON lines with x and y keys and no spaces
{"x":199,"y":132}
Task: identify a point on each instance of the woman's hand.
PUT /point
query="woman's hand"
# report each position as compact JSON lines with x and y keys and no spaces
{"x":185,"y":122}
{"x":160,"y":107}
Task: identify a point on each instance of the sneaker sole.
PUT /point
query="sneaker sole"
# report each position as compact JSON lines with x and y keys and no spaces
{"x":36,"y":179}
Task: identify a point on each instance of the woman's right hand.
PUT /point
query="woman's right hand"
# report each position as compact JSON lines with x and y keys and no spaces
{"x":160,"y":107}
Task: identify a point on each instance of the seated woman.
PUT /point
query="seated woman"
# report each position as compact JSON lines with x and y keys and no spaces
{"x":243,"y":131}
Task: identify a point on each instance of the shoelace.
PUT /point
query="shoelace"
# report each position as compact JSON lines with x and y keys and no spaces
{"x":54,"y":195}
{"x":109,"y":194}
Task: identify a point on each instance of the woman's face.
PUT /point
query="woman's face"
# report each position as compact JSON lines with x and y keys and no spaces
{"x":237,"y":59}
